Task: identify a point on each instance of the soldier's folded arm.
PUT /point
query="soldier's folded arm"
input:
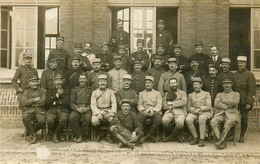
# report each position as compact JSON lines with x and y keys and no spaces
{"x":166,"y":106}
{"x":232,"y":102}
{"x":181,"y":102}
{"x":27,"y":101}
{"x":218,"y":102}
{"x":207,"y":105}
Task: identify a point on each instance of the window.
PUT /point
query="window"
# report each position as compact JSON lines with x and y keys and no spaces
{"x":5,"y":38}
{"x":124,"y":16}
{"x":255,"y":39}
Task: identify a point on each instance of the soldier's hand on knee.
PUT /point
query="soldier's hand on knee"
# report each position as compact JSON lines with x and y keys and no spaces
{"x":133,"y":137}
{"x":99,"y":116}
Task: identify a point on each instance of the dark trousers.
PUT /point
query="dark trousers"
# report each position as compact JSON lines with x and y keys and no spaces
{"x":33,"y":121}
{"x":156,"y":119}
{"x":56,"y":120}
{"x":244,"y":118}
{"x":80,"y":123}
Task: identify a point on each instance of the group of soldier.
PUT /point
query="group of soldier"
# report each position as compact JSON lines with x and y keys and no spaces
{"x":127,"y":92}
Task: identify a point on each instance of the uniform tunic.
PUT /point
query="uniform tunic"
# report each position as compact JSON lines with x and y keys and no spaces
{"x":164,"y":38}
{"x":245,"y":84}
{"x":127,"y":94}
{"x":115,"y":79}
{"x":73,"y":76}
{"x":85,"y":62}
{"x":213,"y":86}
{"x":188,"y":78}
{"x":106,"y":61}
{"x":93,"y":79}
{"x":164,"y":85}
{"x":118,"y":38}
{"x":203,"y":60}
{"x":141,"y":56}
{"x":138,"y":81}
{"x":103,"y":100}
{"x":156,"y":73}
{"x":63,"y":57}
{"x":182,"y":63}
{"x":80,"y":96}
{"x":130,"y":121}
{"x":165,"y":58}
{"x":47,"y":79}
{"x":226,"y":75}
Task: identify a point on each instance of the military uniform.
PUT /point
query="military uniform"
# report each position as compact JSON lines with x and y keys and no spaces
{"x":141,"y":56}
{"x":62,"y":57}
{"x":93,"y":79}
{"x":213,"y":85}
{"x":202,"y":59}
{"x":201,"y":100}
{"x":127,"y":94}
{"x":106,"y":61}
{"x":245,"y":84}
{"x":226,"y":75}
{"x":156,"y":73}
{"x":34,"y":110}
{"x":164,"y":85}
{"x":182,"y":63}
{"x":115,"y":79}
{"x":22,"y":74}
{"x":150,"y":101}
{"x":80,"y":97}
{"x":58,"y":110}
{"x":119,"y":37}
{"x":47,"y":79}
{"x":138,"y":81}
{"x":103,"y":101}
{"x":164,"y":38}
{"x":165,"y":58}
{"x":73,"y":76}
{"x":85,"y":63}
{"x":190,"y":75}
{"x":225,"y":112}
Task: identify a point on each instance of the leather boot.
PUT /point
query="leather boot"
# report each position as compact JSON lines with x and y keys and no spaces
{"x":55,"y":138}
{"x":62,"y":138}
{"x":79,"y":140}
{"x":201,"y":143}
{"x":33,"y":138}
{"x":243,"y":131}
{"x":152,"y":132}
{"x":124,"y":141}
{"x":109,"y":139}
{"x":221,"y":143}
{"x":173,"y":134}
{"x":194,"y":141}
{"x":97,"y":131}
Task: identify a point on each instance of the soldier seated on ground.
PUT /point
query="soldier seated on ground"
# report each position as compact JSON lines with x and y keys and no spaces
{"x":226,"y":105}
{"x":103,"y":105}
{"x":80,"y":117}
{"x":34,"y":107}
{"x":174,"y":102}
{"x":57,"y":102}
{"x":199,"y":108}
{"x":149,"y":106}
{"x":125,"y":127}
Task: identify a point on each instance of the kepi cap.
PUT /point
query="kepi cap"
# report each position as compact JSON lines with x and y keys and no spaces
{"x":104,"y":44}
{"x":27,"y":55}
{"x":212,"y":66}
{"x":161,"y":21}
{"x":125,"y":101}
{"x":102,"y":76}
{"x":227,"y":80}
{"x":58,"y":76}
{"x":77,"y":45}
{"x":196,"y":79}
{"x":60,"y":38}
{"x":225,"y":60}
{"x":127,"y":77}
{"x":122,"y":46}
{"x":96,"y":60}
{"x":171,"y":59}
{"x":149,"y":78}
{"x":33,"y":77}
{"x":242,"y":58}
{"x":199,"y":43}
{"x":157,"y":57}
{"x":140,"y":41}
{"x":117,"y":58}
{"x":176,"y":46}
{"x":75,"y":57}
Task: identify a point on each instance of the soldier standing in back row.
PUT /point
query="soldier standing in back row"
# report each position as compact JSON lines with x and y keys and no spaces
{"x":60,"y":54}
{"x":22,"y":74}
{"x":200,"y":56}
{"x":225,"y":70}
{"x":182,"y":61}
{"x":163,"y":37}
{"x":245,"y":84}
{"x":105,"y":57}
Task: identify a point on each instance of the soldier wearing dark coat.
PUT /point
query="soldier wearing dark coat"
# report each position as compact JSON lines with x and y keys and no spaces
{"x":80,"y":117}
{"x":76,"y":52}
{"x":200,"y":56}
{"x":138,"y":77}
{"x":215,"y":59}
{"x":212,"y":83}
{"x":106,"y":57}
{"x":60,"y":54}
{"x":47,"y":77}
{"x":156,"y":71}
{"x":245,"y":84}
{"x":74,"y":72}
{"x":93,"y":75}
{"x":182,"y":61}
{"x":225,"y":70}
{"x":127,"y":93}
{"x":119,"y":36}
{"x":163,"y":37}
{"x":34,"y":107}
{"x":57,"y":103}
{"x":22,"y":75}
{"x":194,"y":72}
{"x":160,"y":50}
{"x":126,"y":127}
{"x":140,"y":55}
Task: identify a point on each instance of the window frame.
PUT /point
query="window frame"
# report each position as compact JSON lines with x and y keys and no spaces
{"x":252,"y":62}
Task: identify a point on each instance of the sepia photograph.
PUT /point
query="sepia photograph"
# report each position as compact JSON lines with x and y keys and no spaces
{"x":130,"y":81}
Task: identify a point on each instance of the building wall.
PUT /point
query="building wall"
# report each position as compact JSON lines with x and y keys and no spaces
{"x":206,"y":21}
